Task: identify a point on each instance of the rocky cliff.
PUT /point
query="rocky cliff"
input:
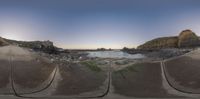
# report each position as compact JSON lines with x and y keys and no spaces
{"x":3,"y":42}
{"x":186,"y":38}
{"x":45,"y":46}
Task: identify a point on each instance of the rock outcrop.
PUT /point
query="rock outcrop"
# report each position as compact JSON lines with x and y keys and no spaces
{"x":45,"y":46}
{"x":3,"y":42}
{"x":186,"y":38}
{"x":159,"y":43}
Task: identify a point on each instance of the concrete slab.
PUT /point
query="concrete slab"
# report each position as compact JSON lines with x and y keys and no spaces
{"x":23,"y":71}
{"x":5,"y":81}
{"x":5,"y":71}
{"x":141,"y":80}
{"x":75,"y":80}
{"x":30,"y":76}
{"x":183,"y":73}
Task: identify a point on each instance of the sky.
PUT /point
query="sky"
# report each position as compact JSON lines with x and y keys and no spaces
{"x":91,"y":24}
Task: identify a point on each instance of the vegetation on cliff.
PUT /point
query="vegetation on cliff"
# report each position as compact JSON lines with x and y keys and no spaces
{"x":158,"y":43}
{"x":186,"y":38}
{"x":45,"y":46}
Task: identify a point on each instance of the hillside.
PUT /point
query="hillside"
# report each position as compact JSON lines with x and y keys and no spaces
{"x":186,"y":38}
{"x":163,"y":42}
{"x":45,"y":46}
{"x":3,"y":42}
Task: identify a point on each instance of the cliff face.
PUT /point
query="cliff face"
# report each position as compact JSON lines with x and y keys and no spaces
{"x":158,"y":43}
{"x":186,"y":38}
{"x":3,"y":42}
{"x":45,"y":46}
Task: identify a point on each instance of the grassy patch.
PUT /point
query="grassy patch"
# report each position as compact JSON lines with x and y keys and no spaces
{"x":121,"y":62}
{"x":131,"y":68}
{"x":92,"y":65}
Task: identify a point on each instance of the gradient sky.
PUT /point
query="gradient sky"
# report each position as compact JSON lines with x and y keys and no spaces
{"x":97,"y":23}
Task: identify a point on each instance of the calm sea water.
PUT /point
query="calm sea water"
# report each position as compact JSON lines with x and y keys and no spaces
{"x":114,"y":54}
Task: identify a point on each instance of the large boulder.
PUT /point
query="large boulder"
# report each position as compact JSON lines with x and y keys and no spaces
{"x":187,"y":38}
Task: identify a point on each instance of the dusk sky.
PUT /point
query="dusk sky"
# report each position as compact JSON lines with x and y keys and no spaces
{"x":89,"y":24}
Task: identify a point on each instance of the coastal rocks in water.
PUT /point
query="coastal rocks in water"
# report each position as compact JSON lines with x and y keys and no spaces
{"x":104,"y":49}
{"x":128,"y":49}
{"x":167,"y":53}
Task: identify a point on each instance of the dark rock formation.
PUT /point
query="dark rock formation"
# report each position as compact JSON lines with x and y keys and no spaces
{"x":101,"y":49}
{"x":3,"y":42}
{"x":127,"y":49}
{"x":44,"y":46}
{"x":131,"y":50}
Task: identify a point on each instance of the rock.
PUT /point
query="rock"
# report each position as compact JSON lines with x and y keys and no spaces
{"x":188,"y":39}
{"x":3,"y":42}
{"x":101,"y":49}
{"x":52,"y":60}
{"x":167,"y":53}
{"x":159,"y":43}
{"x":45,"y":46}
